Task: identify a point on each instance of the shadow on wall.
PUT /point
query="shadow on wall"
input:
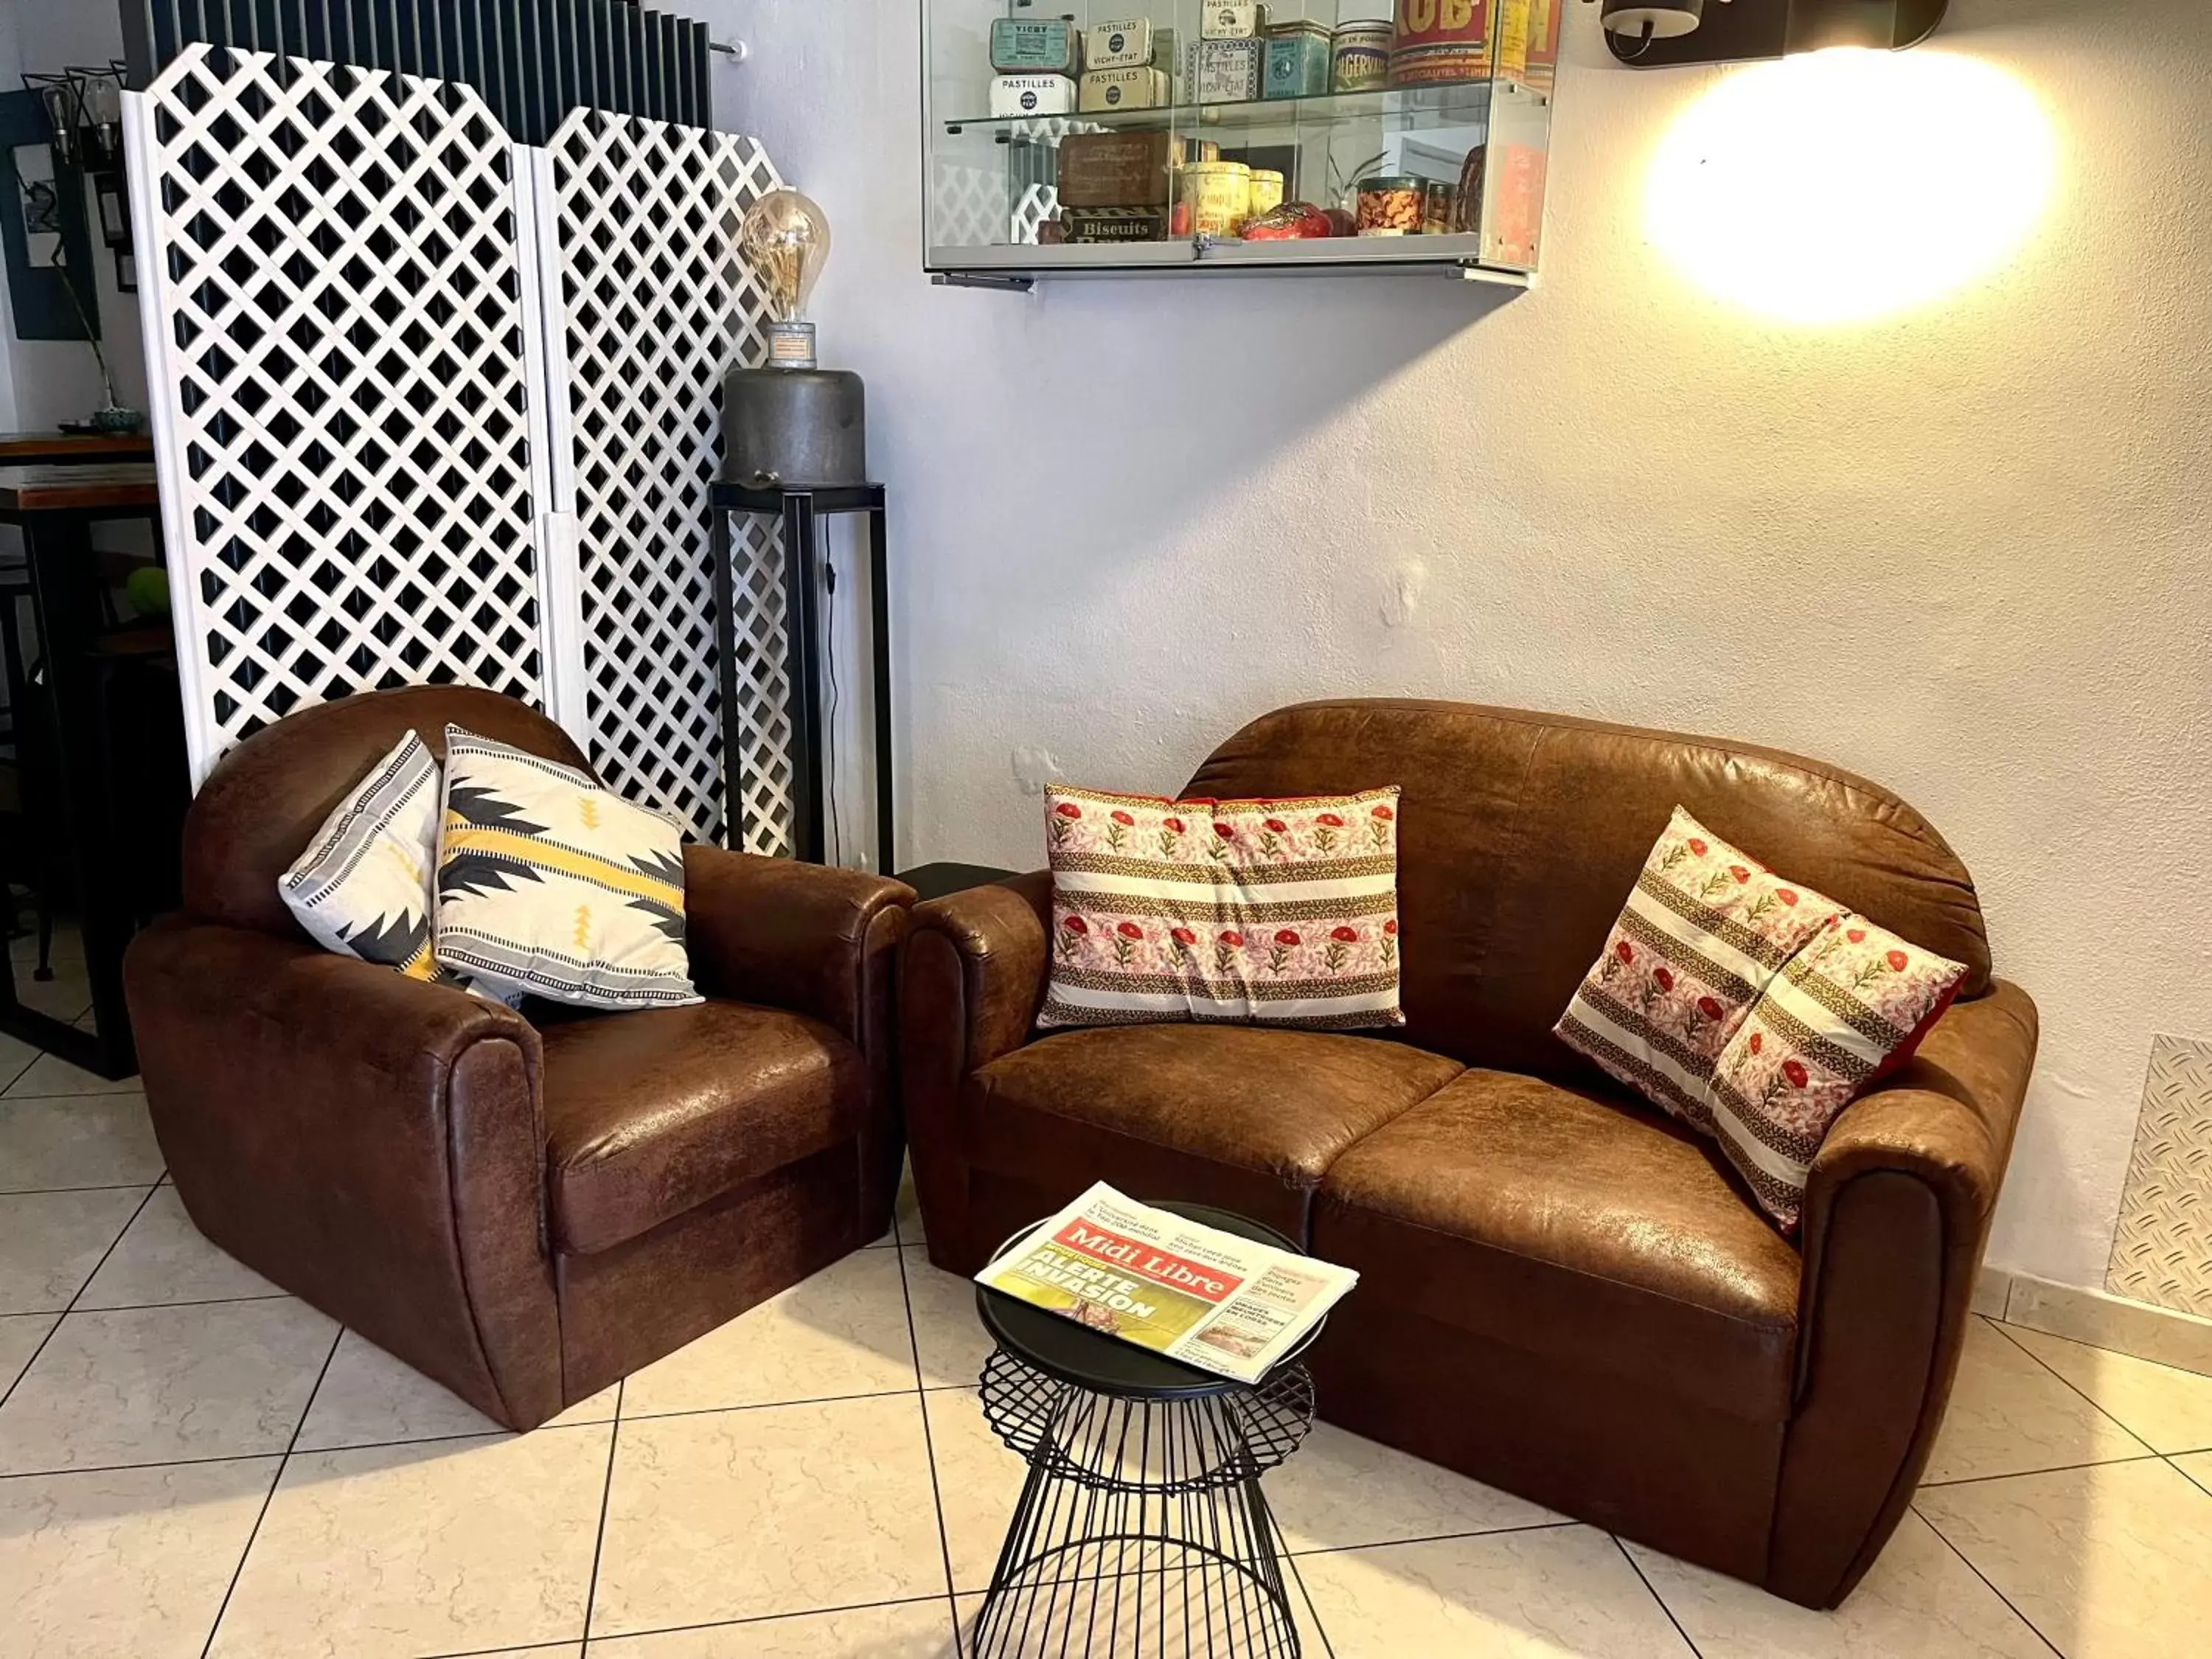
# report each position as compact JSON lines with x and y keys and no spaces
{"x":1155,"y":393}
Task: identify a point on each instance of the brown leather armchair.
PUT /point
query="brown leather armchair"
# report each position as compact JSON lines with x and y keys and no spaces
{"x":524,"y":1212}
{"x":1563,"y":1293}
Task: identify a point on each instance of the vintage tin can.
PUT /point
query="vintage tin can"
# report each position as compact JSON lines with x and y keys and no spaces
{"x":1440,"y":40}
{"x":1297,"y":64}
{"x":1087,"y":227}
{"x":1437,"y":205}
{"x":1268,"y":190}
{"x":1227,"y":20}
{"x":1224,"y":71}
{"x":1393,"y":206}
{"x":1216,"y":197}
{"x":1126,"y":45}
{"x":1032,"y":94}
{"x":1118,"y":169}
{"x":1053,"y":46}
{"x":1360,"y":56}
{"x":1105,"y":90}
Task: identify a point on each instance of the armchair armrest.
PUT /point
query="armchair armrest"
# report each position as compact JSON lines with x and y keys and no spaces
{"x":372,"y":1143}
{"x":973,"y":980}
{"x":810,"y":937}
{"x":1897,"y":1213}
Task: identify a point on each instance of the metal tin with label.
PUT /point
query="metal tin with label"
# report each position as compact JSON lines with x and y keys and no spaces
{"x":1268,"y":190}
{"x":1360,"y":56}
{"x":1225,"y":71}
{"x":1225,"y":20}
{"x":1297,"y":65}
{"x":1440,"y":40}
{"x":1090,"y":225}
{"x":1126,"y":44}
{"x":1216,"y":197}
{"x":1106,"y":90}
{"x":1051,"y":47}
{"x":1118,"y":169}
{"x":1032,"y":94}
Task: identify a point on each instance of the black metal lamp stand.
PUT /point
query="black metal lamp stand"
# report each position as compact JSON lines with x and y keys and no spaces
{"x":801,"y":510}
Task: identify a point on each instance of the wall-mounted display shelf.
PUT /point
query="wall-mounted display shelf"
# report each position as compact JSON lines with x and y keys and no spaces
{"x":1097,"y":137}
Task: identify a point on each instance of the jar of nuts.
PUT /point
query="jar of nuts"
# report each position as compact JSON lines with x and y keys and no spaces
{"x":1392,"y":207}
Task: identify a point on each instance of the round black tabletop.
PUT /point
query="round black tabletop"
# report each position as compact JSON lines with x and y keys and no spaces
{"x":1061,"y":1348}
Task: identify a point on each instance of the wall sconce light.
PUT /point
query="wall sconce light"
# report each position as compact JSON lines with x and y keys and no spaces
{"x":1663,"y":33}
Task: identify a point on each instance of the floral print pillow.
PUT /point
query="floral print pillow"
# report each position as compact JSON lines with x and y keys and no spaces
{"x":1849,"y":1007}
{"x":1705,"y":929}
{"x":1275,"y":912}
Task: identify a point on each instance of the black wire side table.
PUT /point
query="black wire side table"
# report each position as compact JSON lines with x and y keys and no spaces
{"x":1141,"y":1530}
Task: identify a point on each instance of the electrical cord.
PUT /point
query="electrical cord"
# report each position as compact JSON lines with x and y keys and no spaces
{"x":829,"y":655}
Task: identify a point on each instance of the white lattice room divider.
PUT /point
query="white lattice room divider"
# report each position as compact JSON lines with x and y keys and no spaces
{"x":342,"y":344}
{"x":434,"y":407}
{"x":651,"y":307}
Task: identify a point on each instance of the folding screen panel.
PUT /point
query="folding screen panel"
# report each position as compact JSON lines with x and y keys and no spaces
{"x":343,"y":346}
{"x":651,"y":307}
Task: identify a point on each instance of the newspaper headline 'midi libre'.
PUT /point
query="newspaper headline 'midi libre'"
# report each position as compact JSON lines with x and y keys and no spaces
{"x":1048,"y":1267}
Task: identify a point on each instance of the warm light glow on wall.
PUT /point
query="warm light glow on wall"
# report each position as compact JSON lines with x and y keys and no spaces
{"x":1843,"y":185}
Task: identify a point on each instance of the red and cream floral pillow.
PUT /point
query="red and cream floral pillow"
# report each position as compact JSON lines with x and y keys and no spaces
{"x":1279,"y":913}
{"x":1705,"y":930}
{"x":1751,"y":1006}
{"x":1848,"y":1009}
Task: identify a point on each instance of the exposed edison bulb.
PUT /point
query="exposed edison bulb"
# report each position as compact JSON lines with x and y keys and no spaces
{"x":786,"y":239}
{"x":1841,"y":187}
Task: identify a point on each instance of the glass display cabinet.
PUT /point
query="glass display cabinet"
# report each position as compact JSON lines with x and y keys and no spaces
{"x":1088,"y":138}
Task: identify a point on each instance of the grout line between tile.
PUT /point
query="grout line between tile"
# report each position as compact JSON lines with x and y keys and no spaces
{"x":720,"y":1623}
{"x":97,"y":1187}
{"x":1329,"y":1647}
{"x":18,"y":1075}
{"x":606,"y":1497}
{"x":2095,"y":1405}
{"x":8,"y":1392}
{"x":193,"y":1301}
{"x":2024,"y":1475}
{"x":270,"y":1497}
{"x":1431,"y":1538}
{"x":765,"y":1405}
{"x":2175,"y":1459}
{"x":1926,"y":1521}
{"x":1636,"y":1567}
{"x":928,"y":1440}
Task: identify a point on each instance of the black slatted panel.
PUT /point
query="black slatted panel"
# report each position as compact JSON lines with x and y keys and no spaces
{"x":532,"y":60}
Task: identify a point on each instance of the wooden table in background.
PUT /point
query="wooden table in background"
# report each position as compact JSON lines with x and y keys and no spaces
{"x":72,"y":448}
{"x":56,"y":504}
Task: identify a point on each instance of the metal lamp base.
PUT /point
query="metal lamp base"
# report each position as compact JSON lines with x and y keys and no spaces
{"x":794,"y":426}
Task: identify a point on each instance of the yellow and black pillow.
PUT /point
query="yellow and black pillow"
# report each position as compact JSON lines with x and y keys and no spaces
{"x":550,"y":885}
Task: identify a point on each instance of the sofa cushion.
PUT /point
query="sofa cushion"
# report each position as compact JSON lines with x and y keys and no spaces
{"x":1244,"y":1117}
{"x":650,"y":1113}
{"x":1575,"y":1226}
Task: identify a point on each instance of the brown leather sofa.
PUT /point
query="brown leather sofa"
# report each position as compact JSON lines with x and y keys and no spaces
{"x":1564,"y":1293}
{"x":524,"y":1212}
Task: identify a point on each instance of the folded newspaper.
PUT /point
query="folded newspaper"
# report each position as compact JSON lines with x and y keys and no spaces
{"x":1193,"y":1292}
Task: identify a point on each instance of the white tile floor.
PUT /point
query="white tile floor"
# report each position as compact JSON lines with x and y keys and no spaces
{"x":193,"y":1464}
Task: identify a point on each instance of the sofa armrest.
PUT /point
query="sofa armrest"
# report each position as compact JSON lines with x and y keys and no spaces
{"x":1896,"y":1214}
{"x":973,"y":979}
{"x":812,"y":938}
{"x":372,"y":1143}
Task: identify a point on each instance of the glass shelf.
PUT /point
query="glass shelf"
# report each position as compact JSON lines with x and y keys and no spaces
{"x":1447,"y":100}
{"x":1167,"y":188}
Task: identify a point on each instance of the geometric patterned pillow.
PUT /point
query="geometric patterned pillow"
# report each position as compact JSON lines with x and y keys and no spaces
{"x":1271,"y":913}
{"x":363,"y":887}
{"x":1705,"y":930}
{"x":550,"y":886}
{"x":1847,"y":1008}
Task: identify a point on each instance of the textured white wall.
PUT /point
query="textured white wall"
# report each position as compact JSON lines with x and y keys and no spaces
{"x":1964,"y":552}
